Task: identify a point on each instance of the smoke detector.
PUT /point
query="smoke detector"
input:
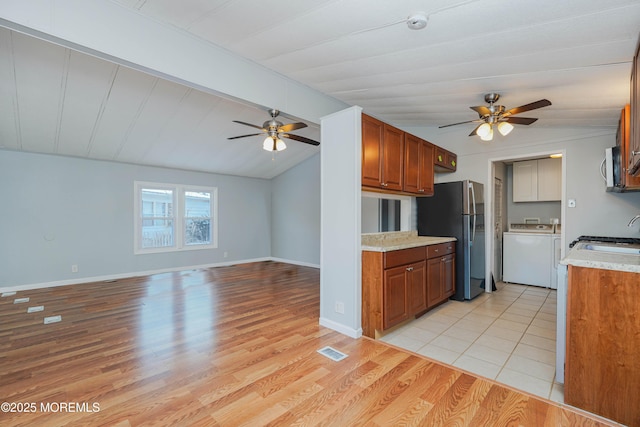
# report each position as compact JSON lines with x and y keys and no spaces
{"x":417,"y":21}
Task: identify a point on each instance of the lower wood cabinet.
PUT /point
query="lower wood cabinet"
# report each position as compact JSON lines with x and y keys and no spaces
{"x":440,"y":273}
{"x":398,"y":285}
{"x":602,"y":363}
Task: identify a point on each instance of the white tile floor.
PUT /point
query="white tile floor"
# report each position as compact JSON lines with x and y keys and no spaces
{"x":508,"y":336}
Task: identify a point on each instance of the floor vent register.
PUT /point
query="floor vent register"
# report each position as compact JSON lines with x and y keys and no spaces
{"x":332,"y":353}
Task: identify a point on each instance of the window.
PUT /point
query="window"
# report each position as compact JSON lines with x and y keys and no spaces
{"x":172,"y":217}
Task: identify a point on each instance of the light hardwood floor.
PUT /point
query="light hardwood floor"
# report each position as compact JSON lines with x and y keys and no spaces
{"x":228,"y":346}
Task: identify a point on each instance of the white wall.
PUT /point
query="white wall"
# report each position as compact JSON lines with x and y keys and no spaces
{"x":60,"y":211}
{"x":295,"y":214}
{"x":340,"y":250}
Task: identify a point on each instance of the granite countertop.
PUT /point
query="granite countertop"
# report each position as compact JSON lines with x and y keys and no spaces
{"x":579,"y":256}
{"x":397,"y":240}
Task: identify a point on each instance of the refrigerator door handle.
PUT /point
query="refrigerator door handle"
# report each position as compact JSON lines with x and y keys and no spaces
{"x":473,"y":203}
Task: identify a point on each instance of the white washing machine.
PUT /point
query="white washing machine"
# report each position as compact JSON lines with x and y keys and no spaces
{"x":528,"y":254}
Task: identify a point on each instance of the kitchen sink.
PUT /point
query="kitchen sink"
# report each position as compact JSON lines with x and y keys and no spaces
{"x":618,"y":249}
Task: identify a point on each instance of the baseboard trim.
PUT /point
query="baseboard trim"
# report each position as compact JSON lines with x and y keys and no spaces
{"x":31,"y":286}
{"x":300,"y":263}
{"x":339,"y":327}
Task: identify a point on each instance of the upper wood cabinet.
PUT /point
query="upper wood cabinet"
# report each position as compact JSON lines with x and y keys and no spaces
{"x":396,"y":161}
{"x":418,"y":165}
{"x":632,"y":154}
{"x":627,"y":181}
{"x":445,"y":161}
{"x":537,"y":180}
{"x":382,"y":155}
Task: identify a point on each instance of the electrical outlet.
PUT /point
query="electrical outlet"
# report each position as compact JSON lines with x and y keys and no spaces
{"x":339,"y":307}
{"x":226,"y":254}
{"x":74,"y":268}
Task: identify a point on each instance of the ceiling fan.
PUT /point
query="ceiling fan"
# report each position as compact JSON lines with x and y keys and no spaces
{"x":275,"y":130}
{"x":499,"y":116}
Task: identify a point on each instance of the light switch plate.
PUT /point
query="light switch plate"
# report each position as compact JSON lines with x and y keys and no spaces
{"x":571,"y":203}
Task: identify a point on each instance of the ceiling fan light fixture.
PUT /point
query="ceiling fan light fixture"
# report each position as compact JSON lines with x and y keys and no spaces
{"x":489,"y":135}
{"x":484,"y":130}
{"x":504,"y":128}
{"x":273,"y":144}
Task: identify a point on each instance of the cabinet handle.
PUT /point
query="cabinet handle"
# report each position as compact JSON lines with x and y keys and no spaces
{"x":633,"y":153}
{"x":444,"y":259}
{"x":436,"y":250}
{"x":409,"y":268}
{"x":421,"y":190}
{"x":384,"y":184}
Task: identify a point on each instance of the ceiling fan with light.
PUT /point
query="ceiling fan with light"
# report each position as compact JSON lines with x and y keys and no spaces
{"x":500,"y":117}
{"x":275,"y":130}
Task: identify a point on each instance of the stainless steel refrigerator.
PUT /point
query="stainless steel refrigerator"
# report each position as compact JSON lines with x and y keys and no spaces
{"x":456,"y":209}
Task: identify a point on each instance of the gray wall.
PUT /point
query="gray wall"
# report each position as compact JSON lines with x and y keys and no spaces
{"x":295,"y":211}
{"x":60,"y":211}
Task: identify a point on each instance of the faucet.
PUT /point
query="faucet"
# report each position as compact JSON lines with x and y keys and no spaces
{"x":634,"y":219}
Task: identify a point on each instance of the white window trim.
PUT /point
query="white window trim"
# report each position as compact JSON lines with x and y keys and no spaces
{"x":179,"y":191}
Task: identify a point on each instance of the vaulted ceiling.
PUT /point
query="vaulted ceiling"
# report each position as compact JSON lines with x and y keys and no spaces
{"x":56,"y":99}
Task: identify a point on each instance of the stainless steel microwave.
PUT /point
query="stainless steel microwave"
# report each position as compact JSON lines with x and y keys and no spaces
{"x":612,"y":168}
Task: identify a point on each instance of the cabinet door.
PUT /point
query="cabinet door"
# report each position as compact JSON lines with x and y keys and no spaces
{"x":392,"y":158}
{"x":412,"y":160}
{"x":394,"y":305}
{"x":417,"y":287}
{"x":418,"y":166}
{"x":549,"y":179}
{"x":425,"y":183}
{"x":372,"y":135}
{"x":434,"y":281}
{"x":634,"y":143}
{"x":525,"y":181}
{"x":449,"y":275}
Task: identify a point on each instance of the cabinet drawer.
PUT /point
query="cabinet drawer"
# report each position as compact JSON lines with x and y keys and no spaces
{"x":403,"y":256}
{"x":441,"y":249}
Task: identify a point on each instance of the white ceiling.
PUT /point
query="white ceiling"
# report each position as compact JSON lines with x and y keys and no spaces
{"x":575,"y":53}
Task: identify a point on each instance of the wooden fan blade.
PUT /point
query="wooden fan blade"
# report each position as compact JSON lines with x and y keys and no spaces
{"x":481,"y":110}
{"x":292,"y":126}
{"x":244,"y":136}
{"x":249,"y":124}
{"x":300,"y":138}
{"x":520,"y":120}
{"x":475,"y":130}
{"x":532,"y":106}
{"x":455,"y":124}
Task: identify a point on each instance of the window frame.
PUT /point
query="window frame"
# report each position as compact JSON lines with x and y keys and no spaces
{"x":179,"y":217}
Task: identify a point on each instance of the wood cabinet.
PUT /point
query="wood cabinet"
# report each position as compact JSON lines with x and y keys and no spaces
{"x":602,"y":366}
{"x":440,"y":273}
{"x":632,"y":154}
{"x":396,"y":285}
{"x":418,"y":165}
{"x":628,"y":182}
{"x":398,"y":162}
{"x":445,"y":161}
{"x":382,"y":155}
{"x":537,"y":180}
